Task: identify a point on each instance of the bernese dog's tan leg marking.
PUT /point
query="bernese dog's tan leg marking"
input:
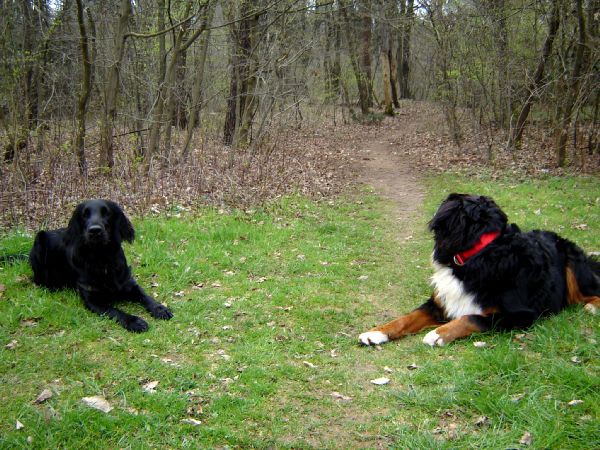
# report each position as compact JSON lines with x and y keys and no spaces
{"x":451,"y":331}
{"x":574,"y":295}
{"x":457,"y":328}
{"x":408,"y":324}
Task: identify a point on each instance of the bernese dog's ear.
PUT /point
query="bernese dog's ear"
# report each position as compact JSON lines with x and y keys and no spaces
{"x":121,"y":224}
{"x":473,"y":207}
{"x":454,"y":196}
{"x":445,"y":211}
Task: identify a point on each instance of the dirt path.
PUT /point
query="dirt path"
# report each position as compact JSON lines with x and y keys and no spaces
{"x":384,"y":165}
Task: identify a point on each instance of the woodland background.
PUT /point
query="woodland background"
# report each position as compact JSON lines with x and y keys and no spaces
{"x":164,"y":102}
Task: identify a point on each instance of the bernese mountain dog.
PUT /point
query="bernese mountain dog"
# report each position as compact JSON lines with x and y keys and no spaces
{"x":489,"y":274}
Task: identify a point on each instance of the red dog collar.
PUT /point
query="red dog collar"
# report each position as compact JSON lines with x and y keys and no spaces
{"x":483,"y":242}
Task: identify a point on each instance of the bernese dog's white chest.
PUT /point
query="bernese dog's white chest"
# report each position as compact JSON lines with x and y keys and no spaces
{"x":450,"y":293}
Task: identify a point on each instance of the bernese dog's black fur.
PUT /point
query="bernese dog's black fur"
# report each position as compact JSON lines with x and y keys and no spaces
{"x":509,"y":283}
{"x":87,"y":256}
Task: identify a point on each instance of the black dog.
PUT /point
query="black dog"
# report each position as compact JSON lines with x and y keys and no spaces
{"x":87,"y":256}
{"x":489,"y":274}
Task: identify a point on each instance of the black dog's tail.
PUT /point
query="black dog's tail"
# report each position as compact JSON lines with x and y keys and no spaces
{"x":13,"y":258}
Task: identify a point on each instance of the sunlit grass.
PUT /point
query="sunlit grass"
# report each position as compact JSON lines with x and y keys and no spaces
{"x":268,"y":305}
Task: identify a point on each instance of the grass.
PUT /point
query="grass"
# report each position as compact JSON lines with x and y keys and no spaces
{"x":268,"y":305}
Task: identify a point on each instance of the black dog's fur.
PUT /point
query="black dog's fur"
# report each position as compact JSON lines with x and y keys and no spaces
{"x":511,"y":282}
{"x":87,"y":256}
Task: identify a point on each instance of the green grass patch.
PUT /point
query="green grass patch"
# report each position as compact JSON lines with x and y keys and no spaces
{"x":268,"y":306}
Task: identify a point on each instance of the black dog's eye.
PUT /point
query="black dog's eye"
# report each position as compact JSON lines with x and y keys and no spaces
{"x":86,"y":213}
{"x":104,"y":211}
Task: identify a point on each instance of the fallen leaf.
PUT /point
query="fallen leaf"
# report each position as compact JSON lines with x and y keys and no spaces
{"x":575,"y":360}
{"x":526,"y":439}
{"x":98,"y":403}
{"x":45,"y":395}
{"x":150,"y":387}
{"x":30,"y":322}
{"x":380,"y":381}
{"x":223,"y":355}
{"x":413,"y":366}
{"x":309,"y":364}
{"x":19,"y":425}
{"x":517,"y":398}
{"x":340,"y":396}
{"x":388,"y":369}
{"x":575,"y":402}
{"x":191,"y":421}
{"x":452,"y":431}
{"x":11,"y":345}
{"x":479,"y":344}
{"x":363,"y":277}
{"x":581,"y":226}
{"x":482,"y":421}
{"x":216,"y":284}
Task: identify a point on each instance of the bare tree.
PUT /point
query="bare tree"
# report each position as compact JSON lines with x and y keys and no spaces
{"x":86,"y":88}
{"x":112,"y":86}
{"x":536,"y":82}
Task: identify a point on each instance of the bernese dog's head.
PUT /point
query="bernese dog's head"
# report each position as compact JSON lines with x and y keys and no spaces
{"x":460,"y":221}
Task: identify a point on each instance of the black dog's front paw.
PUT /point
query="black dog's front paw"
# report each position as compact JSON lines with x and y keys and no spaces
{"x":161,"y":312}
{"x":135,"y":324}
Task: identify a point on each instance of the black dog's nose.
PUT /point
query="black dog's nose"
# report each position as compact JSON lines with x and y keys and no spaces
{"x":95,"y":230}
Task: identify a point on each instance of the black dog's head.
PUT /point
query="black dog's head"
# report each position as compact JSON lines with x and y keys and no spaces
{"x":460,"y":221}
{"x":99,"y":222}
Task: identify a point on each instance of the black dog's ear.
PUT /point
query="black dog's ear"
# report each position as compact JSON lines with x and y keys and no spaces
{"x":75,"y":227}
{"x":121,"y":223}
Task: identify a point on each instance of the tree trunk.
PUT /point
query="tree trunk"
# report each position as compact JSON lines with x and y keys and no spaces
{"x":573,"y":89}
{"x":360,"y":76}
{"x":84,"y":94}
{"x":111,"y":90}
{"x":407,"y":17}
{"x":503,"y":68}
{"x":393,"y":73}
{"x":241,"y":103}
{"x":249,"y":41}
{"x":163,"y":111}
{"x":553,"y":24}
{"x":365,"y":49}
{"x":162,"y":48}
{"x":194,"y":108}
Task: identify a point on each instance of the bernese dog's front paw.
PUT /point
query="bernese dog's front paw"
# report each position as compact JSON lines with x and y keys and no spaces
{"x":373,"y":338}
{"x":433,"y":338}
